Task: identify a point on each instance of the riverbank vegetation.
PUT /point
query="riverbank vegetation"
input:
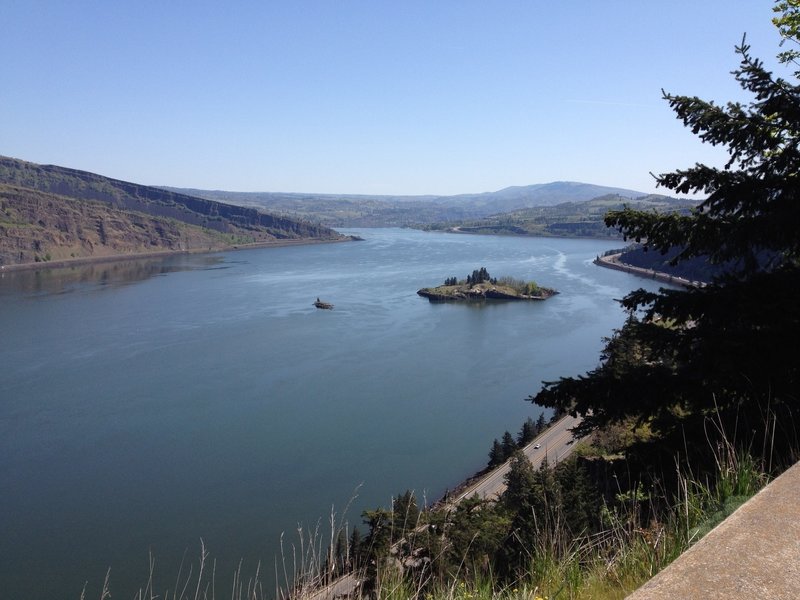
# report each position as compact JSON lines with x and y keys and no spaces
{"x":504,"y":448}
{"x":553,"y":533}
{"x":582,"y":529}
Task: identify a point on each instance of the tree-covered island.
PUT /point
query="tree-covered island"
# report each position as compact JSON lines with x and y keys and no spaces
{"x":480,"y":286}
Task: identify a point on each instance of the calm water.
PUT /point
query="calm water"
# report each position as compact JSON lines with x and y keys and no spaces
{"x":145,"y":405}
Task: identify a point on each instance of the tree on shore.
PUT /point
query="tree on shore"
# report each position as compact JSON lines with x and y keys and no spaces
{"x":480,"y":276}
{"x":405,"y":513}
{"x":731,"y":346}
{"x":509,"y":445}
{"x":527,"y":432}
{"x":496,"y":454}
{"x":356,"y":549}
{"x":540,"y":423}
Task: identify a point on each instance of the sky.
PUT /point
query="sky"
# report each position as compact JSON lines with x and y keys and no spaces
{"x":369,"y":97}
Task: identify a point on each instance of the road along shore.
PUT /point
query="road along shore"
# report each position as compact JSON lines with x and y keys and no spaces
{"x":554,"y":444}
{"x":612,"y":261}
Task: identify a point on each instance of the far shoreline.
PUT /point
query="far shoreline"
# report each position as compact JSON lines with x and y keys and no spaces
{"x":111,"y":258}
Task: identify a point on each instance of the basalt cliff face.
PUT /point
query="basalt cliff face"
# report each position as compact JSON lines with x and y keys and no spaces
{"x":54,"y":213}
{"x":40,"y":227}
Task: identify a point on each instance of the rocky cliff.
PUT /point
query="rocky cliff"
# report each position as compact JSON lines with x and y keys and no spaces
{"x":49,"y":213}
{"x":40,"y":227}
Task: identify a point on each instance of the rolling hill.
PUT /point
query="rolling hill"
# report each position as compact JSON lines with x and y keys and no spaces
{"x":354,"y":210}
{"x":568,"y":219}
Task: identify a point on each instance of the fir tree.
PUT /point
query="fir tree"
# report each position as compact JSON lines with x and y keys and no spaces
{"x":527,"y":432}
{"x":730,"y":346}
{"x":405,"y":513}
{"x":356,"y":549}
{"x":541,"y":423}
{"x":520,"y":484}
{"x":496,"y":454}
{"x":508,"y":444}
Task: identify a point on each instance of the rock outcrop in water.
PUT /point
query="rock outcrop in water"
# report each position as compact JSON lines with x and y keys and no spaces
{"x":480,"y":286}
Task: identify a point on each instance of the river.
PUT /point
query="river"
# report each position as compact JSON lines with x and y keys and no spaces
{"x":147,"y":404}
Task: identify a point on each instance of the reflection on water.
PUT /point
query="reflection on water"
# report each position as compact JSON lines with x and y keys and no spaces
{"x":61,"y":280}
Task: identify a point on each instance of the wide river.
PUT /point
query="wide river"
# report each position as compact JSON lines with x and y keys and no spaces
{"x":148,"y":404}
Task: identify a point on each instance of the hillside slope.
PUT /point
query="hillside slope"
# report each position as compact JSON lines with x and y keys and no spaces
{"x":39,"y":227}
{"x":49,"y":212}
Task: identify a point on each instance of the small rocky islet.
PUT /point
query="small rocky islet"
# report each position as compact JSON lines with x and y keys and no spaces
{"x":480,"y":286}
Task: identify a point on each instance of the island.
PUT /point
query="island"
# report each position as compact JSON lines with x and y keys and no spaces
{"x":480,"y":286}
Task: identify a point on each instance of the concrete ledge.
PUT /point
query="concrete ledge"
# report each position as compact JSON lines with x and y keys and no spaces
{"x":754,"y":553}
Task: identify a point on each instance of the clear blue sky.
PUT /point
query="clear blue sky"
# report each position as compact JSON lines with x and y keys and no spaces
{"x":387,"y":97}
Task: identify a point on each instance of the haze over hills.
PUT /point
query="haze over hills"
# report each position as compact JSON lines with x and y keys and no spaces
{"x":568,"y":219}
{"x":538,"y":194}
{"x":354,"y":210}
{"x":49,"y":213}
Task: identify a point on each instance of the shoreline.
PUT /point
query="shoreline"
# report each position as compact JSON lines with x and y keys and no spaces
{"x":612,"y":262}
{"x":460,"y":231}
{"x":479,"y":295}
{"x":90,"y":260}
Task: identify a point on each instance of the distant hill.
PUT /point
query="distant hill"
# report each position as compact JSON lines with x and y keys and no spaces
{"x":52,"y":213}
{"x":540,"y":194}
{"x":568,"y":219}
{"x":354,"y":210}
